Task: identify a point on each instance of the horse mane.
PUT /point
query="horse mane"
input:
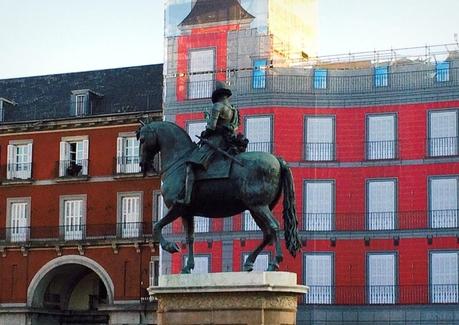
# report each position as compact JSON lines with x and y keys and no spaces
{"x":180,"y":129}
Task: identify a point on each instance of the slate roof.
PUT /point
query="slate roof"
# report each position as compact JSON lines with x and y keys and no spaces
{"x":132,"y":89}
{"x":214,"y":11}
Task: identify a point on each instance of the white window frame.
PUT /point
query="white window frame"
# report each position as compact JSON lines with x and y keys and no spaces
{"x":261,"y":263}
{"x":130,"y":228}
{"x":444,"y":287}
{"x":158,"y":206}
{"x":259,"y":139}
{"x":445,"y":216}
{"x":201,"y":80}
{"x":382,"y":218}
{"x":320,"y":282}
{"x":314,"y":218}
{"x":81,"y":156}
{"x":443,"y":146}
{"x":19,"y":168}
{"x":382,"y":286}
{"x":154,"y":270}
{"x":80,"y":104}
{"x":316,"y":149}
{"x":18,"y":230}
{"x":381,"y":146}
{"x":127,"y":154}
{"x":74,"y":230}
{"x":201,"y":263}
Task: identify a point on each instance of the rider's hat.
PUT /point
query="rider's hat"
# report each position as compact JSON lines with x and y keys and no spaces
{"x":221,"y":89}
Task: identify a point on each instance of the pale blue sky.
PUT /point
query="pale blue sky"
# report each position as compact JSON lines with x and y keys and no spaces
{"x":55,"y":36}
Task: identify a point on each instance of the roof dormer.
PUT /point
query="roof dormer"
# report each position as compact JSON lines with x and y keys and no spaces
{"x":83,"y":102}
{"x":4,"y":105}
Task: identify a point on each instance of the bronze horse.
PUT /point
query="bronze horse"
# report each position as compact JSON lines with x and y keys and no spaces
{"x":256,"y":185}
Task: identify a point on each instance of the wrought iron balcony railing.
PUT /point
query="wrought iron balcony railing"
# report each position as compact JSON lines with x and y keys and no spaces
{"x":382,"y":294}
{"x":380,"y":221}
{"x":443,"y":147}
{"x":18,"y":171}
{"x":76,"y":232}
{"x":127,"y":164}
{"x":260,"y":146}
{"x":324,"y":151}
{"x":73,"y":168}
{"x":380,"y":150}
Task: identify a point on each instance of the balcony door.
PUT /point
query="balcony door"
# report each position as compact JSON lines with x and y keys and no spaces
{"x":258,"y":131}
{"x":381,"y":278}
{"x":73,"y":219}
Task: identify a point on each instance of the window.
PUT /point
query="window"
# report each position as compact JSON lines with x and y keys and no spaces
{"x":442,"y":71}
{"x":74,"y":157}
{"x":381,"y":278}
{"x":18,"y":219}
{"x":381,"y":204}
{"x":320,"y":79}
{"x":195,"y":129}
{"x":73,"y":217}
{"x":201,"y":224}
{"x":261,"y":262}
{"x":158,"y":206}
{"x":130,"y":214}
{"x":258,"y":131}
{"x":201,"y":67}
{"x":19,"y":161}
{"x":154,"y":271}
{"x":443,"y":194}
{"x":318,"y":276}
{"x":249,"y":222}
{"x":259,"y":73}
{"x":381,"y":76}
{"x":444,"y":277}
{"x":201,"y":264}
{"x":80,"y":105}
{"x":443,"y":133}
{"x":127,"y":157}
{"x":1,"y":111}
{"x":320,"y":138}
{"x":318,"y":205}
{"x":381,"y":137}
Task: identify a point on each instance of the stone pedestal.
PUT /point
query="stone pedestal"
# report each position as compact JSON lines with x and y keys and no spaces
{"x":267,"y":298}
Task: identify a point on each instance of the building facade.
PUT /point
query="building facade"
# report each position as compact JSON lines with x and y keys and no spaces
{"x":372,"y":142}
{"x":76,"y":214}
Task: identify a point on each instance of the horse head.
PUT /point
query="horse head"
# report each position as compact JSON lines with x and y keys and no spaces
{"x":149,"y":147}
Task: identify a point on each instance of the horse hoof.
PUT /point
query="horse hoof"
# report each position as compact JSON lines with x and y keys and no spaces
{"x":171,"y":248}
{"x":186,"y":270}
{"x":248,"y":267}
{"x":273,"y":267}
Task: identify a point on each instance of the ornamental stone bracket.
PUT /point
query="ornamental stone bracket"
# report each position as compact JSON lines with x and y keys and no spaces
{"x":24,"y":251}
{"x":3,"y":251}
{"x":80,"y":250}
{"x":152,"y":246}
{"x":266,"y":298}
{"x":58,"y":250}
{"x":115,"y":248}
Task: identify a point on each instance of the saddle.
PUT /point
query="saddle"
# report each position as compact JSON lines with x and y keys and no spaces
{"x":220,"y":167}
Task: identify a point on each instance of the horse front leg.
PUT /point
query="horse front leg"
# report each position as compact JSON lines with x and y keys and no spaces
{"x":170,"y":216}
{"x":188,"y":224}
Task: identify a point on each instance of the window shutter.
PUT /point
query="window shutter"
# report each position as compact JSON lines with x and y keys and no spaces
{"x":63,"y":156}
{"x":85,"y":156}
{"x":119,"y":154}
{"x":381,"y":128}
{"x":319,"y":205}
{"x":381,"y":204}
{"x":258,"y":131}
{"x":11,"y":161}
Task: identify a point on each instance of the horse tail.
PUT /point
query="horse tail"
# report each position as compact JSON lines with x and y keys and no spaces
{"x":292,"y":239}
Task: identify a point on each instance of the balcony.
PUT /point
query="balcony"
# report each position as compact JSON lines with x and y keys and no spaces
{"x":382,"y":294}
{"x":260,"y":146}
{"x":381,"y":221}
{"x":319,"y":151}
{"x":129,"y":165}
{"x":73,"y":168}
{"x":19,"y":171}
{"x":443,"y":147}
{"x":37,"y":236}
{"x":382,"y":150}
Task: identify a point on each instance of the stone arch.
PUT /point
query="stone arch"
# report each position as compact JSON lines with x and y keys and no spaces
{"x":37,"y":285}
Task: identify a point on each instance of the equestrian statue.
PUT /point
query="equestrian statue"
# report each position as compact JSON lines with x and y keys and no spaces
{"x":216,"y":178}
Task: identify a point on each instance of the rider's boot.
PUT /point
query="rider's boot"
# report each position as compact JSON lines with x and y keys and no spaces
{"x":189,"y":181}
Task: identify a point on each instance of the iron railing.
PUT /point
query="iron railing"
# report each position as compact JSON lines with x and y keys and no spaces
{"x":379,"y":150}
{"x":260,"y":146}
{"x":19,"y":171}
{"x":382,"y":294}
{"x":324,"y":151}
{"x":379,"y":221}
{"x":127,"y":164}
{"x":443,"y":147}
{"x":76,"y":232}
{"x":73,"y":168}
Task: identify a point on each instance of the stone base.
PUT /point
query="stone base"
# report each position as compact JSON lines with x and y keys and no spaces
{"x":228,"y":298}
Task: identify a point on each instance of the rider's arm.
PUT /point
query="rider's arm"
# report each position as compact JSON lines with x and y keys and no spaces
{"x":214,"y":115}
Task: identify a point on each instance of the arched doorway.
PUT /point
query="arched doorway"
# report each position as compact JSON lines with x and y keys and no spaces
{"x":70,"y":290}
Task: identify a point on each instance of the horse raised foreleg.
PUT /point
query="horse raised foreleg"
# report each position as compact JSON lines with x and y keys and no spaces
{"x":267,"y":238}
{"x":171,"y":215}
{"x":188,"y":224}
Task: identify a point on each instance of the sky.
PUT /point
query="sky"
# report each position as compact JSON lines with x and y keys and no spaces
{"x":40,"y":37}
